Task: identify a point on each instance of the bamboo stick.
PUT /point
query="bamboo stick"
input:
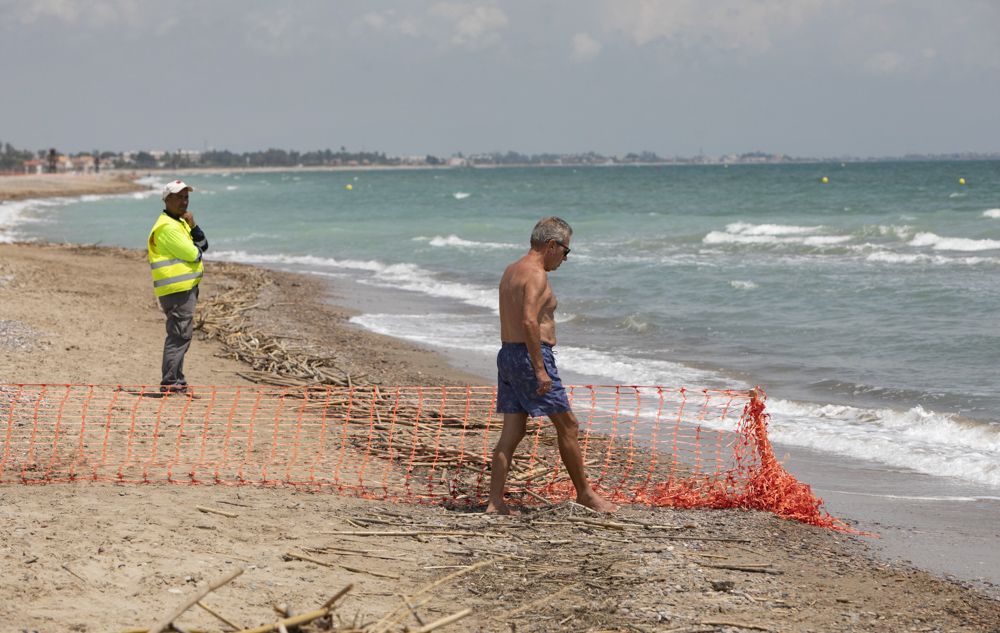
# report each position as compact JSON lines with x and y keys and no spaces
{"x":436,"y":624}
{"x":225,"y":513}
{"x":218,"y":616}
{"x":191,"y":600}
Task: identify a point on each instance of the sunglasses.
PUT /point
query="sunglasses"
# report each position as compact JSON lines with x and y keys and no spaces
{"x":566,"y":249}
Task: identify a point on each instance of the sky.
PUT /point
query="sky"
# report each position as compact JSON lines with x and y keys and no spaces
{"x":808,"y":78}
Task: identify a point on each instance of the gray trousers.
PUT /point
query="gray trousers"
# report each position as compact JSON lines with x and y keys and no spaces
{"x":179,"y":308}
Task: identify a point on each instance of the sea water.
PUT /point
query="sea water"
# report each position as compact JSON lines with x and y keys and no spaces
{"x":867,"y":306}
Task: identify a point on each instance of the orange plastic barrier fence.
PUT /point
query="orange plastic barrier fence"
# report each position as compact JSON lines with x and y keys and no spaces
{"x":641,"y":445}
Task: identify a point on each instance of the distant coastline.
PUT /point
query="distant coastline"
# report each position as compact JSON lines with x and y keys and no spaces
{"x":51,"y":161}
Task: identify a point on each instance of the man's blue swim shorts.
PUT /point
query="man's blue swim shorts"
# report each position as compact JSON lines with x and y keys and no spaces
{"x":517,"y":387}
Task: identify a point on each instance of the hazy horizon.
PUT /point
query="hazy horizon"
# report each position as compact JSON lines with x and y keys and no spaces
{"x":806,"y":78}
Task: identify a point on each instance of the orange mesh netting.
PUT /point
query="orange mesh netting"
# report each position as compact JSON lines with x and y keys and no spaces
{"x":644,"y":445}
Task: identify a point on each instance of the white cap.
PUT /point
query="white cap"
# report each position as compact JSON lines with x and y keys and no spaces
{"x":176,"y":186}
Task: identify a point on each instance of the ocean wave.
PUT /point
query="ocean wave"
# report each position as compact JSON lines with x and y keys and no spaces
{"x":460,"y":195}
{"x":937,"y":242}
{"x":720,"y":237}
{"x":773,"y":234}
{"x":992,"y":213}
{"x":742,"y":285}
{"x":468,"y":333}
{"x":917,"y":439}
{"x":402,"y":276}
{"x":625,"y":369}
{"x":15,"y":212}
{"x":635,"y":323}
{"x":745,"y":228}
{"x":457,"y":242}
{"x":916,"y":497}
{"x":902,"y":232}
{"x":889,"y":257}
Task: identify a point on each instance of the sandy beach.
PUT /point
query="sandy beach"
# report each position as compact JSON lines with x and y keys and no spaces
{"x":43,"y":185}
{"x":102,"y":557}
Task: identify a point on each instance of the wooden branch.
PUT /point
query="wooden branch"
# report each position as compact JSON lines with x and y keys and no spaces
{"x":302,"y":618}
{"x":703,"y":538}
{"x":337,"y":596}
{"x":192,"y":600}
{"x":410,"y":533}
{"x":356,"y":570}
{"x":231,"y":515}
{"x":604,"y":524}
{"x":436,"y":624}
{"x":235,"y":627}
{"x":537,"y":497}
{"x":749,"y":568}
{"x":739,"y":625}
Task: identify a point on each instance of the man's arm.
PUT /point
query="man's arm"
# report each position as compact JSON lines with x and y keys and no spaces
{"x":197,"y":235}
{"x":534,"y":294}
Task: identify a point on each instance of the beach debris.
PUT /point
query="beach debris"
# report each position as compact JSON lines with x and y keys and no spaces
{"x":224,"y":317}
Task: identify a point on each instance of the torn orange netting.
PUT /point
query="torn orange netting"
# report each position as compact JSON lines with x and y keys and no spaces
{"x":643,"y":445}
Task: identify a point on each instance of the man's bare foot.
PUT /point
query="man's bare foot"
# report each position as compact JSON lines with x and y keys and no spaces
{"x":500,"y":508}
{"x":595,"y":501}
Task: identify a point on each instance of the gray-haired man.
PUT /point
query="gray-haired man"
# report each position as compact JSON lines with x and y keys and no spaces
{"x":528,"y":380}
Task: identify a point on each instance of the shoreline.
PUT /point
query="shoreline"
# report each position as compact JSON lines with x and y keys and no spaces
{"x":829,"y":581}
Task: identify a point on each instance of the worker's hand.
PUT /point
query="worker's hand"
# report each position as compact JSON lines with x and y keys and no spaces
{"x":189,"y":219}
{"x":544,"y":381}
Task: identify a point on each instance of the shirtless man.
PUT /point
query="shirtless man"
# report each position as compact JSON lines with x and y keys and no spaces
{"x":528,"y":382}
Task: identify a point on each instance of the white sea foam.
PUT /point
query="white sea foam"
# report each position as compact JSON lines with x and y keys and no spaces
{"x":886,"y":257}
{"x":403,"y":276}
{"x":13,"y":213}
{"x":918,"y":439}
{"x":992,"y":213}
{"x":469,"y":332}
{"x":826,"y":240}
{"x":721,"y":237}
{"x":903,"y":232}
{"x":913,"y":497}
{"x":937,"y":242}
{"x":625,"y":369}
{"x":635,"y":323}
{"x":742,"y":285}
{"x":745,"y":228}
{"x":460,"y":195}
{"x":232,"y":187}
{"x":745,"y":233}
{"x":457,"y":242}
{"x":479,"y":334}
{"x":889,"y":257}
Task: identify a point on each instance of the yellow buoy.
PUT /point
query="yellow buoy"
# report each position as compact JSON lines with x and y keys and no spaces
{"x":824,"y":180}
{"x":348,"y":186}
{"x":961,"y":181}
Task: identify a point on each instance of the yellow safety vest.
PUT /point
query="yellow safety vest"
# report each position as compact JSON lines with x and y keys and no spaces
{"x":171,"y":273}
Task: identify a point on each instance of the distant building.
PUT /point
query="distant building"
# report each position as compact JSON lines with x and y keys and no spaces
{"x":34,"y":166}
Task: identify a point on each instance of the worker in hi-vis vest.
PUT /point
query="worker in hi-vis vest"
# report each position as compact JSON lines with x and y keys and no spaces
{"x":176,"y":244}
